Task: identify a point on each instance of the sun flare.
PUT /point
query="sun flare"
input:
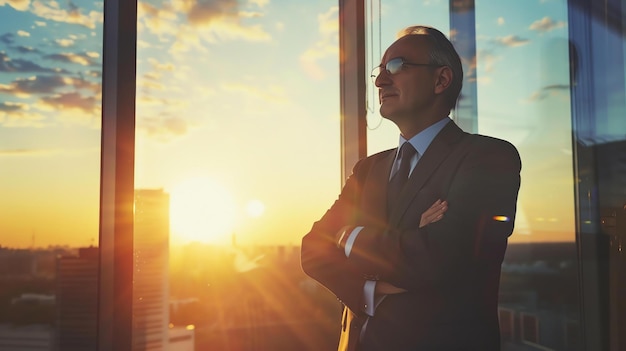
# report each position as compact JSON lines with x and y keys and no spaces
{"x":201,"y":210}
{"x":255,"y":208}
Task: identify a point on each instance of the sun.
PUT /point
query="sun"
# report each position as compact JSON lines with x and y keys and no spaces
{"x":201,"y":210}
{"x":255,"y":208}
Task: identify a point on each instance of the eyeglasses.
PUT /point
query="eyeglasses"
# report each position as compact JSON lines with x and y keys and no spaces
{"x":394,"y":66}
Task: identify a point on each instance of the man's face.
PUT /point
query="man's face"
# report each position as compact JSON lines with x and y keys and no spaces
{"x":408,"y":93}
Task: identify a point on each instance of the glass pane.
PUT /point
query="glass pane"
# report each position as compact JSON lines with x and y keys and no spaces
{"x":50,"y":93}
{"x":540,"y":272}
{"x":599,"y":101}
{"x":237,"y":154}
{"x":523,"y":96}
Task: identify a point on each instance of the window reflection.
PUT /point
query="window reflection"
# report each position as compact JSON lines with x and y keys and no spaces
{"x":518,"y":84}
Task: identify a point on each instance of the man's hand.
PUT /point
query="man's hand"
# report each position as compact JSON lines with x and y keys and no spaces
{"x":434,"y":213}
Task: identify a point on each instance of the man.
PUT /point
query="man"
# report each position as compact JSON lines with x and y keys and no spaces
{"x":418,"y":268}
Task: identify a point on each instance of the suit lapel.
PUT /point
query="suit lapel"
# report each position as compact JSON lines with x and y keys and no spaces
{"x":375,"y":193}
{"x":437,"y":152}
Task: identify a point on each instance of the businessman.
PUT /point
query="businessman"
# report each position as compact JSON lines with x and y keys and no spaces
{"x":414,"y":243}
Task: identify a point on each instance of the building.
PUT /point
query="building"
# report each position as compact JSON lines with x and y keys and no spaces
{"x":151,"y":267}
{"x":77,"y":301}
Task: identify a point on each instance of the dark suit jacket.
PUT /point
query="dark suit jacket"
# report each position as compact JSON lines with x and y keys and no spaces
{"x":451,"y":268}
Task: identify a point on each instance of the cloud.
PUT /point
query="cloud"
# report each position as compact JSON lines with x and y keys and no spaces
{"x":80,"y":83}
{"x":23,"y":33}
{"x":163,"y":128}
{"x":156,"y":65}
{"x":159,"y":21}
{"x":250,"y":14}
{"x":329,"y":22}
{"x":12,"y":106}
{"x":223,"y":18}
{"x":512,"y":41}
{"x":231,"y":29}
{"x":70,"y":107}
{"x":25,"y":87}
{"x":206,"y":11}
{"x":326,"y":46}
{"x":50,"y":10}
{"x":546,"y":24}
{"x":487,"y":59}
{"x":94,"y":74}
{"x":24,"y":66}
{"x":26,"y":49}
{"x":7,"y":38}
{"x":84,"y":59}
{"x":150,"y":80}
{"x":187,"y":38}
{"x":472,"y":64}
{"x":547,"y":91}
{"x":149,"y":83}
{"x":20,"y":5}
{"x":64,"y":42}
{"x":203,"y":21}
{"x":485,"y":63}
{"x":17,"y":114}
{"x":500,"y":21}
{"x":259,"y":3}
{"x":142,"y":44}
{"x":43,"y":84}
{"x":73,"y":100}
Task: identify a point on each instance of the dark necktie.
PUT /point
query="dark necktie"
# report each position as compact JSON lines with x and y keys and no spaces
{"x":407,"y":151}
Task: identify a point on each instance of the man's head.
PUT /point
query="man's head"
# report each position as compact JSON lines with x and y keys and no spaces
{"x":419,"y":79}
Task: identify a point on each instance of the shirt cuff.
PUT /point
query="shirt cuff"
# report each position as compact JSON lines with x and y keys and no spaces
{"x":368,"y":297}
{"x":350,"y":241}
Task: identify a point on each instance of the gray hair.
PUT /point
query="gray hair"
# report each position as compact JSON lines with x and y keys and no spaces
{"x":442,"y":53}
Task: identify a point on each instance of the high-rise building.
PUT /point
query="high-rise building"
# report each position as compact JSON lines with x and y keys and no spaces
{"x":77,"y":284}
{"x":151,"y":275}
{"x":77,"y":301}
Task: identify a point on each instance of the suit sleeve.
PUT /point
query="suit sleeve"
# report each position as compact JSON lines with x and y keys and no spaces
{"x":482,"y":197}
{"x":322,"y":260}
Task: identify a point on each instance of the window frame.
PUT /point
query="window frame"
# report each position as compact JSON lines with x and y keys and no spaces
{"x":117,"y":175}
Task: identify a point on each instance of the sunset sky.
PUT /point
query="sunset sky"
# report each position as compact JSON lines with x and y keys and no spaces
{"x":238,"y":113}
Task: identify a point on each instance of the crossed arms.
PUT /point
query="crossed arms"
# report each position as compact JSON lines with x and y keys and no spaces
{"x":433,"y":246}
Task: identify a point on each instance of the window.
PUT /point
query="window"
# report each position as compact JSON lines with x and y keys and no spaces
{"x":237,"y":154}
{"x":516,"y":87}
{"x":50,"y":97}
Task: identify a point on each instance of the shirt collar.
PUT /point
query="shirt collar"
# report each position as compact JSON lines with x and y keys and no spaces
{"x":421,"y":141}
